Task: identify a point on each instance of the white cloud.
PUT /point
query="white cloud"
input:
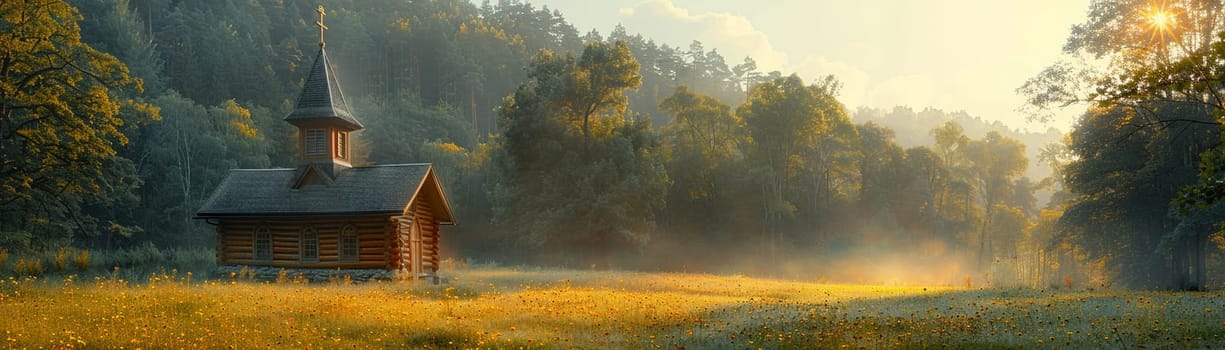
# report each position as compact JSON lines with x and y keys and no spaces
{"x":735,"y":37}
{"x":732,"y":35}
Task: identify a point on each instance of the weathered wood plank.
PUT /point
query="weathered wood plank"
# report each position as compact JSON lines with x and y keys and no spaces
{"x":238,"y":255}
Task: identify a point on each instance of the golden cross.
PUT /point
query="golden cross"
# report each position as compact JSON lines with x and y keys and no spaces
{"x":320,"y":24}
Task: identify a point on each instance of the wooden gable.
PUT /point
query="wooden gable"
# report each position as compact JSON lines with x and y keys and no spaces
{"x":312,"y":176}
{"x":429,"y":190}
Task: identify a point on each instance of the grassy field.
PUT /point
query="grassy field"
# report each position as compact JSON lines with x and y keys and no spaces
{"x":529,"y":308}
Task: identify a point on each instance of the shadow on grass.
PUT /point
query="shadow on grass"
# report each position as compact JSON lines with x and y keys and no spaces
{"x":983,"y":319}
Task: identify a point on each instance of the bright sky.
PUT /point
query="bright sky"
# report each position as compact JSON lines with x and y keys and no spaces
{"x":953,"y":55}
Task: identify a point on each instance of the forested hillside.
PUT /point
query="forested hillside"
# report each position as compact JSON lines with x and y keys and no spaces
{"x":563,"y":148}
{"x":913,"y":130}
{"x":204,"y":85}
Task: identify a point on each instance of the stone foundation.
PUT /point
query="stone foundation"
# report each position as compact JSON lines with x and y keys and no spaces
{"x":267,"y":273}
{"x":272,"y":274}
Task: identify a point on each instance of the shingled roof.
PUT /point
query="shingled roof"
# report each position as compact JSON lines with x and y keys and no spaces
{"x":321,"y":98}
{"x":384,"y":189}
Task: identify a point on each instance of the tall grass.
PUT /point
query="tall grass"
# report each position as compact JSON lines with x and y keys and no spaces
{"x":81,"y":260}
{"x":61,"y":259}
{"x":134,"y":263}
{"x":30,"y":268}
{"x":548,"y":308}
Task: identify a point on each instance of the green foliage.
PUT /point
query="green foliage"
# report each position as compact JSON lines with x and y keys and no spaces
{"x":785,"y":119}
{"x":667,"y":68}
{"x":914,"y":128}
{"x":187,"y":154}
{"x":881,"y":166}
{"x":448,"y":158}
{"x":703,"y":144}
{"x":398,"y":128}
{"x":60,"y":125}
{"x":595,"y":85}
{"x":1154,"y":107}
{"x":995,"y":164}
{"x":573,"y":171}
{"x":1124,"y":178}
{"x":783,"y":116}
{"x":703,"y":138}
{"x":1165,"y":77}
{"x":116,"y":27}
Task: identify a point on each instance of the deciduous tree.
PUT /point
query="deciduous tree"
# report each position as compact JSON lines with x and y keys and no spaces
{"x":574,"y":171}
{"x":60,"y":122}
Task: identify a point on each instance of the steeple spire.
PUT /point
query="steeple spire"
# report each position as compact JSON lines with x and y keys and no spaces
{"x":322,"y":116}
{"x":321,"y":98}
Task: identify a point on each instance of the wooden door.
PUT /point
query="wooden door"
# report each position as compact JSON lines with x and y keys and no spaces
{"x":415,"y":249}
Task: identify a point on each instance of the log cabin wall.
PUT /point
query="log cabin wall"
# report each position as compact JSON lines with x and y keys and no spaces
{"x":236,"y":241}
{"x":401,"y":246}
{"x":405,"y":245}
{"x":424,"y":215}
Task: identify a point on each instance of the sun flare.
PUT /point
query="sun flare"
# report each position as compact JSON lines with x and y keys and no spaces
{"x":1161,"y":19}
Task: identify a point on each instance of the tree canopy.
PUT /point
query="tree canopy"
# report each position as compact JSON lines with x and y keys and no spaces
{"x":64,"y":114}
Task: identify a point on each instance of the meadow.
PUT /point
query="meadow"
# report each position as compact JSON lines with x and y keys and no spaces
{"x":525,"y":308}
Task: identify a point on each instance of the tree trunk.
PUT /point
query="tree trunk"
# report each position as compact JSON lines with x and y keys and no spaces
{"x":1178,"y":272}
{"x":1190,"y":264}
{"x":1200,"y":264}
{"x":472,"y":109}
{"x":983,"y":245}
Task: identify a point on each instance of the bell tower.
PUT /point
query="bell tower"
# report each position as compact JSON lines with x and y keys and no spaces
{"x":323,"y":118}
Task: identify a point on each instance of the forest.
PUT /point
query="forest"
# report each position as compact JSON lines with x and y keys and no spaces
{"x":598,"y":150}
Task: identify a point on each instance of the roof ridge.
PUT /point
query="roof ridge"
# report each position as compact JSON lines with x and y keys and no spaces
{"x":392,"y":165}
{"x":270,"y":169}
